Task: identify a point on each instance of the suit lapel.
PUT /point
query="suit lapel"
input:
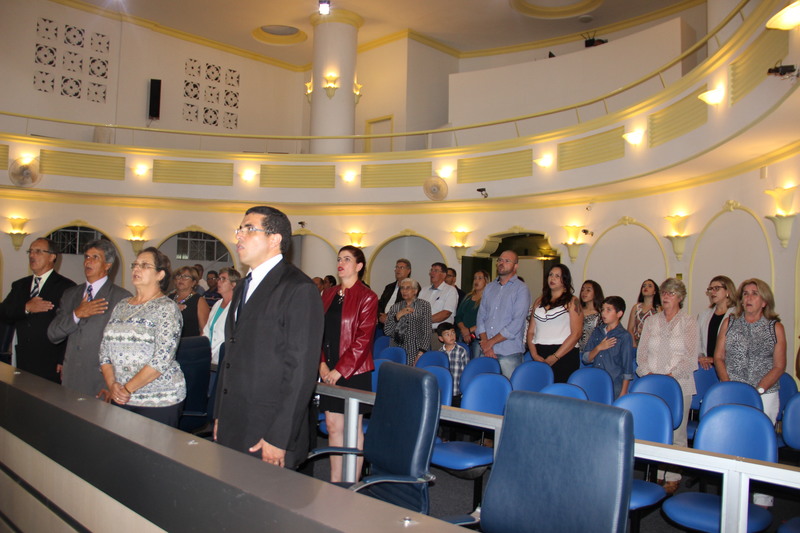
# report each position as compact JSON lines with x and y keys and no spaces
{"x":258,"y":299}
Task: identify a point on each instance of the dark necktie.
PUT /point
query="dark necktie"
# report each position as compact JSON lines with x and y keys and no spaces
{"x":246,"y":286}
{"x":35,"y":290}
{"x":89,"y":295}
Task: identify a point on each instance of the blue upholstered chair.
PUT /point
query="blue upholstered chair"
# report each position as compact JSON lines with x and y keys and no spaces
{"x":791,"y":422}
{"x":393,"y":353}
{"x":727,"y":392}
{"x":481,"y":365}
{"x":543,"y":479}
{"x":733,"y":429}
{"x":652,"y":421}
{"x":595,"y":382}
{"x":703,"y":380}
{"x":486,"y":393}
{"x":380,"y":343}
{"x":194,"y":358}
{"x":787,"y":390}
{"x":433,"y":358}
{"x":399,"y":441}
{"x":532,"y":376}
{"x":666,"y":388}
{"x":566,"y":390}
{"x":445,"y":380}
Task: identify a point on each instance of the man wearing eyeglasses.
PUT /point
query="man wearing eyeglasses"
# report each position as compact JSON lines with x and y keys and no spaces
{"x":273,"y":338}
{"x":30,"y":307}
{"x":82,"y":316}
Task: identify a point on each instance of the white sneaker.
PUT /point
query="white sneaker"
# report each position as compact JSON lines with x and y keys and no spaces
{"x":476,"y":514}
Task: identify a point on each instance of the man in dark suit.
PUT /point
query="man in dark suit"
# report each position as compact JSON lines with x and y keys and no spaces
{"x":391,"y":294}
{"x":82,"y":316}
{"x":31,"y":306}
{"x":273,"y":340}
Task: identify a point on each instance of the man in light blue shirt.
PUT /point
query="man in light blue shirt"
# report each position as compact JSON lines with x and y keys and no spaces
{"x":501,"y":316}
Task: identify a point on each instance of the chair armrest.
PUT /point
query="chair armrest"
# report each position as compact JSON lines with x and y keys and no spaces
{"x":334,"y":450}
{"x":372,"y":480}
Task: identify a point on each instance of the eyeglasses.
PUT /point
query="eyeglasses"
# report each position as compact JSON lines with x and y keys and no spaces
{"x":183,"y":276}
{"x":669,"y":293}
{"x":714,"y":288}
{"x":504,"y":260}
{"x":249,"y":230}
{"x":143,"y":266}
{"x":38,"y":251}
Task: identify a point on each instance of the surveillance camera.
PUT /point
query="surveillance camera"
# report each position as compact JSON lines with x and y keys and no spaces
{"x":587,"y":232}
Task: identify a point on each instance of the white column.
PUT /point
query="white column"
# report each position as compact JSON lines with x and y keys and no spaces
{"x":335,"y":41}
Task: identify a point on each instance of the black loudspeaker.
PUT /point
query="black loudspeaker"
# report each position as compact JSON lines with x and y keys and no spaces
{"x":154,"y":103}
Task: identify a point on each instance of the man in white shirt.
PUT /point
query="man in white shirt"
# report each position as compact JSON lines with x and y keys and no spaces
{"x":443,"y":299}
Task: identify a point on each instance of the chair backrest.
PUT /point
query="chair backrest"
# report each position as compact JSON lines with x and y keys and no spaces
{"x":739,"y":430}
{"x":787,"y":390}
{"x":481,"y":365}
{"x":595,"y":382}
{"x":543,"y":451}
{"x":566,"y":390}
{"x":433,"y":358}
{"x":532,"y":376}
{"x":527,"y":357}
{"x":703,"y":379}
{"x":465,"y":346}
{"x":652,"y":419}
{"x":194,"y":358}
{"x":665,"y":387}
{"x":791,"y":422}
{"x":380,"y":343}
{"x":401,"y":433}
{"x":445,"y":380}
{"x":726,"y":392}
{"x":375,"y":373}
{"x":487,"y":393}
{"x":393,"y":353}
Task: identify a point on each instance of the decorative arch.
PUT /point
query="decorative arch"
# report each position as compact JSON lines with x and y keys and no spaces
{"x":308,"y":233}
{"x":627,"y":221}
{"x":403,"y":233}
{"x":203,"y":230}
{"x":118,"y":269}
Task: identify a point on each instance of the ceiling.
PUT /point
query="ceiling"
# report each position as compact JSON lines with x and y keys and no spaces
{"x":463,"y":25}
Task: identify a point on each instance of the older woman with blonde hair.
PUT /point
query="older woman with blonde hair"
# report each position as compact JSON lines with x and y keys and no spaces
{"x":408,"y":323}
{"x":722,"y":298}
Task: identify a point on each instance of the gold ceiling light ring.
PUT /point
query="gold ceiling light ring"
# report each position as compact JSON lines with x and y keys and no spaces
{"x":570,"y":9}
{"x":279,"y":35}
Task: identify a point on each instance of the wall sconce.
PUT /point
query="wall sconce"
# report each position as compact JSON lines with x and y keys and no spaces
{"x":783,"y":199}
{"x":309,"y":89}
{"x":787,"y":18}
{"x":678,"y":245}
{"x":783,"y":227}
{"x":545,"y":161}
{"x":331,"y":84}
{"x":356,"y":238}
{"x":572,"y":244}
{"x":357,"y":92}
{"x":713,"y":97}
{"x":17,"y":232}
{"x":445,"y":172}
{"x":678,"y":234}
{"x":634,"y":137}
{"x":677,"y":224}
{"x":460,"y":243}
{"x":249,"y":175}
{"x":140,"y":170}
{"x":137,"y":239}
{"x":349,"y":176}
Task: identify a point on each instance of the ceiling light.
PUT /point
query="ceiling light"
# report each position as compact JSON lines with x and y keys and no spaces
{"x":324,"y":7}
{"x":787,"y":18}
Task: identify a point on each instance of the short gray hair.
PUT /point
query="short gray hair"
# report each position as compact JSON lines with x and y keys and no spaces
{"x":105,"y":246}
{"x":674,"y":285}
{"x":407,"y":281}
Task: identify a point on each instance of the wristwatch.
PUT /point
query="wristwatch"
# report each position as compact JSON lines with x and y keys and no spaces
{"x":761,"y":390}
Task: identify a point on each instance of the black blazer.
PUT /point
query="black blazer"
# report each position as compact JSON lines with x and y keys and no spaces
{"x":35,"y":353}
{"x":387,"y":294}
{"x":271,"y":364}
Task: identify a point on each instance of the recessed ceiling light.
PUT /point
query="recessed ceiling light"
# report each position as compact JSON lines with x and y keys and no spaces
{"x":279,"y":34}
{"x":586,"y":19}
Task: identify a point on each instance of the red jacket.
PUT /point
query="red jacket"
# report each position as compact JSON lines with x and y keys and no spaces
{"x":359,"y":317}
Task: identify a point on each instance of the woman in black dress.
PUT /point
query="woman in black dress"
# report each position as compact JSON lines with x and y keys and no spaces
{"x":351,"y":313}
{"x":194,"y":308}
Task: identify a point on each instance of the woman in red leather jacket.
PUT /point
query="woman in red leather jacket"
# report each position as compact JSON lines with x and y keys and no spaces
{"x":351,"y":313}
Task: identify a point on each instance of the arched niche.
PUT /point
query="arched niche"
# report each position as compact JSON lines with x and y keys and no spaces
{"x":622,"y":257}
{"x":312,"y":254}
{"x":70,"y":240}
{"x":734,"y":243}
{"x":421,"y":251}
{"x":194,"y":245}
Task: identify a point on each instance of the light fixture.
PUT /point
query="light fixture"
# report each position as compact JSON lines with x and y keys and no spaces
{"x":356,"y":238}
{"x":677,"y":236}
{"x":572,"y":244}
{"x":784,"y":217}
{"x":248,"y":175}
{"x":349,"y":176}
{"x":483,"y":192}
{"x":678,"y":245}
{"x":357,"y":92}
{"x":140,"y":170}
{"x":445,"y":171}
{"x":677,"y":223}
{"x":137,"y":239}
{"x":331,"y":84}
{"x":324,"y":7}
{"x":545,"y":161}
{"x":787,"y":18}
{"x":634,"y":137}
{"x":460,"y":243}
{"x":713,"y":96}
{"x":309,"y":89}
{"x":17,"y":232}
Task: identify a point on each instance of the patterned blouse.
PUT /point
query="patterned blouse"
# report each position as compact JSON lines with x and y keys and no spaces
{"x":412,"y":331}
{"x":589,"y":323}
{"x":146,"y":335}
{"x":670,"y":348}
{"x":638,"y":321}
{"x":749,"y":349}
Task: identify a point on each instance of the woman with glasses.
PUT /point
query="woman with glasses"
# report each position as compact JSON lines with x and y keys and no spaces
{"x":137,"y":354}
{"x":193,"y":307}
{"x":670,"y":344}
{"x":408,"y":322}
{"x":721,"y":294}
{"x":215,"y":327}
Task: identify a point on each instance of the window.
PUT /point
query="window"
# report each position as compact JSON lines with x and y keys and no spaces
{"x":199,"y":246}
{"x":72,"y":239}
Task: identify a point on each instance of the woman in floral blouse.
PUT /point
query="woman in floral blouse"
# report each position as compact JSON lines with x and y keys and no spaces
{"x":137,"y":354}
